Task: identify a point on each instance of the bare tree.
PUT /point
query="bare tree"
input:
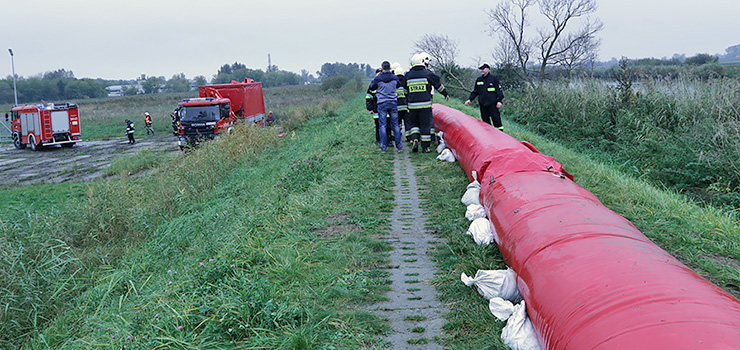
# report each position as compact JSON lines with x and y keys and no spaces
{"x":509,"y":18}
{"x":443,"y":51}
{"x":554,"y":42}
{"x":582,"y":52}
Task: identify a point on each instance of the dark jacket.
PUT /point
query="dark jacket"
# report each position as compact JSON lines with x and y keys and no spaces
{"x":401,"y":94}
{"x":488,"y":89}
{"x":385,"y":85}
{"x":371,"y":101}
{"x":419,"y":83}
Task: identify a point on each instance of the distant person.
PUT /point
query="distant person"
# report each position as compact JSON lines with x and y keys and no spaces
{"x":371,"y":104}
{"x":130,"y":132}
{"x":175,"y":120}
{"x":148,"y":123}
{"x":385,"y":84}
{"x":419,"y":84}
{"x":490,"y":96}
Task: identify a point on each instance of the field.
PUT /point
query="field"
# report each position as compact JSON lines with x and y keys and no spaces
{"x":262,"y":242}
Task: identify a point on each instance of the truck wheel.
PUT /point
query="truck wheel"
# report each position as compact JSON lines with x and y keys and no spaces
{"x":32,"y":142}
{"x":17,"y":141}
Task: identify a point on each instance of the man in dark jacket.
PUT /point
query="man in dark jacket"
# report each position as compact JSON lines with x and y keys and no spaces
{"x":385,"y":85}
{"x":371,"y":104}
{"x":419,"y":84}
{"x":490,"y":96}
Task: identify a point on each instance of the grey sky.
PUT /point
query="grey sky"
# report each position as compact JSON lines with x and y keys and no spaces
{"x":123,"y":39}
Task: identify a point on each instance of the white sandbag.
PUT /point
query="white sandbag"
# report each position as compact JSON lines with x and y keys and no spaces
{"x":441,"y":147}
{"x":475,"y":211}
{"x":472,"y":194}
{"x":480,"y":230}
{"x":440,"y":135}
{"x":518,"y":334}
{"x":447,"y":155}
{"x":494,"y":283}
{"x":501,"y":308}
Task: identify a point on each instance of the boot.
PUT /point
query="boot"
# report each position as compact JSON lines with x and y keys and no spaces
{"x":415,"y":147}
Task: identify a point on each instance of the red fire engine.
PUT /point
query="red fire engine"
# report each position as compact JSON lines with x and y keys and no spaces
{"x":216,"y":110}
{"x":45,"y":125}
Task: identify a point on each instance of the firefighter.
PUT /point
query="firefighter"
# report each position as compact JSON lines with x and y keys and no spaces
{"x":419,"y":83}
{"x":403,"y":108}
{"x":490,"y":96}
{"x":148,"y":123}
{"x":130,"y":132}
{"x":371,"y":104}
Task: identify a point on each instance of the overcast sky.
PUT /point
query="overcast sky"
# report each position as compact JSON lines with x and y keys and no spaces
{"x":126,"y":38}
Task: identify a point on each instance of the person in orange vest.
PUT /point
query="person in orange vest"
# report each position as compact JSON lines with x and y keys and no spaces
{"x":148,"y":123}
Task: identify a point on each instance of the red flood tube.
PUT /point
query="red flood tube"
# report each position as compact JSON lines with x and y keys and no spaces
{"x":590,"y":278}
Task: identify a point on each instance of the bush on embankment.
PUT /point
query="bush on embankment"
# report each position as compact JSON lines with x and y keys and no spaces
{"x":683,"y":134}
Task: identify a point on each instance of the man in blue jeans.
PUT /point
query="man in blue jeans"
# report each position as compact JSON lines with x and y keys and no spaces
{"x":385,"y":85}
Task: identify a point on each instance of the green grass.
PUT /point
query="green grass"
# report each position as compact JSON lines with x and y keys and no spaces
{"x":211,"y":251}
{"x":255,"y":241}
{"x":143,"y":160}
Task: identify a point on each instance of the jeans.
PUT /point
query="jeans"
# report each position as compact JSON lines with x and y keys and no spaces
{"x":385,"y":109}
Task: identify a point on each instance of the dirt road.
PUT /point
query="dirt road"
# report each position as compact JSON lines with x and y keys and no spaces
{"x":83,"y":162}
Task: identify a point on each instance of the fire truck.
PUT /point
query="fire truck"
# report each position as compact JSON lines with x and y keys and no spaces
{"x":44,"y":125}
{"x":216,"y":110}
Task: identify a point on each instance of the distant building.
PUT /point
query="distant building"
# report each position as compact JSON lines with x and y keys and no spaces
{"x":115,"y":90}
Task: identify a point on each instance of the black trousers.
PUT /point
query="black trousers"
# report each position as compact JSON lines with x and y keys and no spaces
{"x":423,"y":120}
{"x":491,"y":114}
{"x":131,"y":138}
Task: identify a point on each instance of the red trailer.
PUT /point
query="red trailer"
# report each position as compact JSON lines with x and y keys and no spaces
{"x":45,"y":125}
{"x":216,"y":110}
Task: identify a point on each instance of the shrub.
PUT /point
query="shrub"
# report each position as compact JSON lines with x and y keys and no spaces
{"x":335,"y":82}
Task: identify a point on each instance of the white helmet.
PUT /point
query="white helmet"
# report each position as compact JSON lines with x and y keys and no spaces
{"x":421,"y":59}
{"x":396,"y":68}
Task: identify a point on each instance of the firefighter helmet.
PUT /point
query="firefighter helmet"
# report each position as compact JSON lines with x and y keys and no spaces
{"x":421,"y":59}
{"x":396,"y":67}
{"x":146,"y":114}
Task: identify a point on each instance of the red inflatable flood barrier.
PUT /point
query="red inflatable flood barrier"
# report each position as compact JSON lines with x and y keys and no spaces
{"x":590,"y":278}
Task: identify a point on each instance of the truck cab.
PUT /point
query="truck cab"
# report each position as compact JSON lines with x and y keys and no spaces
{"x":216,"y":110}
{"x":201,"y":119}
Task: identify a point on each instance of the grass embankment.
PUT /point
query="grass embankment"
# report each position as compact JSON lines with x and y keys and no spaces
{"x":258,"y":242}
{"x":251,"y":241}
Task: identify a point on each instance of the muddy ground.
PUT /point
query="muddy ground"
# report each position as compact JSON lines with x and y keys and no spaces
{"x":83,"y":162}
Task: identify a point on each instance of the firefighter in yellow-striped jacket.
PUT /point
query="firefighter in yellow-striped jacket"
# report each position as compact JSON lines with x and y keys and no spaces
{"x":403,"y":108}
{"x":419,"y":83}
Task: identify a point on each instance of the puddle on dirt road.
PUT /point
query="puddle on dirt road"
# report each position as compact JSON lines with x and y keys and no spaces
{"x":83,"y":162}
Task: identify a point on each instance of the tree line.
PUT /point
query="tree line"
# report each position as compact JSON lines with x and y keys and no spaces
{"x":61,"y":84}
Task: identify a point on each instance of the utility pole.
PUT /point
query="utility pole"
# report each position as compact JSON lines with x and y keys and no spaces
{"x":12,"y":63}
{"x":269,"y":62}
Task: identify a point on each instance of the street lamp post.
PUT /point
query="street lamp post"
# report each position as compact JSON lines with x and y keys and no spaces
{"x":12,"y":63}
